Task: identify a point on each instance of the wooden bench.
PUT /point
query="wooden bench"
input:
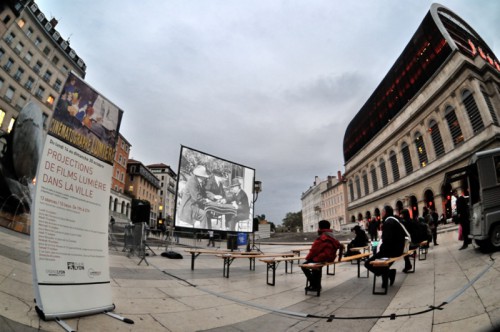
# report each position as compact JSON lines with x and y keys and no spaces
{"x":197,"y":252}
{"x":388,"y":261}
{"x":272,"y":264}
{"x":358,"y":258}
{"x":229,"y":258}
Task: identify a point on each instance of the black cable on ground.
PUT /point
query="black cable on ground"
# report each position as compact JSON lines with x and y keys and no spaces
{"x":330,"y":318}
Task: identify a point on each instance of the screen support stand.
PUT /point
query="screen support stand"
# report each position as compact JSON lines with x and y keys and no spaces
{"x":254,"y":247}
{"x":65,"y":326}
{"x":123,"y":319}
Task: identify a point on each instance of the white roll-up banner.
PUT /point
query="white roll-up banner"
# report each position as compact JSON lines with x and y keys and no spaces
{"x":70,"y":213}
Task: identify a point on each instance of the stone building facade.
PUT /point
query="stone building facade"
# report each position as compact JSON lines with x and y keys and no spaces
{"x":437,"y":106}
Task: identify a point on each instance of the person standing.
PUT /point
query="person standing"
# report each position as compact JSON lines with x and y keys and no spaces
{"x":463,"y":220}
{"x":211,"y":238}
{"x":393,"y":243}
{"x":433,"y":224}
{"x":373,"y":228}
{"x":323,"y":249}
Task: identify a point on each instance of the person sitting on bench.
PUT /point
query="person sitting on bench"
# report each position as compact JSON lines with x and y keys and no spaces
{"x":361,"y":240}
{"x":393,"y":243}
{"x":324,"y":249}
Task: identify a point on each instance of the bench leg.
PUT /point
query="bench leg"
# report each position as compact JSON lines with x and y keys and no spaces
{"x":271,"y":266}
{"x":252,"y":263}
{"x":227,"y":263}
{"x":386,"y":273}
{"x":328,"y":270}
{"x":422,"y":253}
{"x":359,"y":269}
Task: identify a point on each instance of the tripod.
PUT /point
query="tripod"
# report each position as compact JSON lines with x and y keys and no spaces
{"x":254,"y":247}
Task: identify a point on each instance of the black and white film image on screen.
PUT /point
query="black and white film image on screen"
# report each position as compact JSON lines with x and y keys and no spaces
{"x":213,"y":193}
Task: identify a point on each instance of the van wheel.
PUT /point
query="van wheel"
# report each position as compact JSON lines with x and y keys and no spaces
{"x":495,"y":235}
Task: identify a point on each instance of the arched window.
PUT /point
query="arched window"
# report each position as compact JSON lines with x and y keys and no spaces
{"x":373,"y":174}
{"x":405,"y":150}
{"x":351,"y":190}
{"x":394,"y":164}
{"x":115,"y":204}
{"x":421,"y":152}
{"x":110,"y":202}
{"x":122,"y":209}
{"x":437,"y":141}
{"x":473,"y":112}
{"x":365,"y":183}
{"x":383,"y":172}
{"x":358,"y":186}
{"x":490,"y":107}
{"x":455,"y":130}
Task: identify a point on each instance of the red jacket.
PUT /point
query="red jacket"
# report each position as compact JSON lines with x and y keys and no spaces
{"x":324,"y":248}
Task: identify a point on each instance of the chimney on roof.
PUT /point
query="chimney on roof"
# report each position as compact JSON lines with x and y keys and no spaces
{"x":53,"y":22}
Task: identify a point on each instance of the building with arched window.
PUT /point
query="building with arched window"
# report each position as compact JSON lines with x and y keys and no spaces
{"x":438,"y":104}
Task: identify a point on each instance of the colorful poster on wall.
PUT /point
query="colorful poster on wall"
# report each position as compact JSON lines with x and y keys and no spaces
{"x":69,"y":232}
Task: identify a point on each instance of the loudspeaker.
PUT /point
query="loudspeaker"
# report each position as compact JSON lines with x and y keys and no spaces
{"x":255,"y":224}
{"x":140,"y":211}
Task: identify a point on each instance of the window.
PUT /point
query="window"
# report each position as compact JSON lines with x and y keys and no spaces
{"x":2,"y":52}
{"x":437,"y":141}
{"x":39,"y":93}
{"x":405,"y":150}
{"x":358,"y":186}
{"x":373,"y":174}
{"x":472,"y":111}
{"x":46,"y":50}
{"x":2,"y":116}
{"x":9,"y":94}
{"x":29,"y":83}
{"x":21,"y":102}
{"x":27,"y":57}
{"x":65,"y":69}
{"x":394,"y":164}
{"x":19,"y":73}
{"x":45,"y":118}
{"x":50,"y":100}
{"x":1,"y":82}
{"x":29,"y":32}
{"x":490,"y":107}
{"x":57,"y":85}
{"x":37,"y":67}
{"x":40,"y":16}
{"x":11,"y":125}
{"x":453,"y":125}
{"x":55,"y":60}
{"x":6,"y":19}
{"x":19,"y":48}
{"x":365,"y":183}
{"x":383,"y":172}
{"x":421,"y":152}
{"x":10,"y":37}
{"x":21,"y":23}
{"x":351,"y":191}
{"x":47,"y":76}
{"x":38,"y":41}
{"x":8,"y":65}
{"x":48,"y":26}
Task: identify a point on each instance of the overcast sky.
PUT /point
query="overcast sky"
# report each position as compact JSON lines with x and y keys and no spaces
{"x":271,"y":85}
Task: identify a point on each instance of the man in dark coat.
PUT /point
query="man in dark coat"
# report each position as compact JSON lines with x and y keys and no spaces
{"x":393,"y":242}
{"x":194,"y":199}
{"x":239,"y":199}
{"x":464,"y":221}
{"x":323,"y":249}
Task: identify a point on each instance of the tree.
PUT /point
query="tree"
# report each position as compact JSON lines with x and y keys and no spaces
{"x":293,"y":220}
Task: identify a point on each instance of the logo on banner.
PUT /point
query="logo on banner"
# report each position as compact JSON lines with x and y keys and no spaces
{"x":56,"y":273}
{"x":75,"y":266}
